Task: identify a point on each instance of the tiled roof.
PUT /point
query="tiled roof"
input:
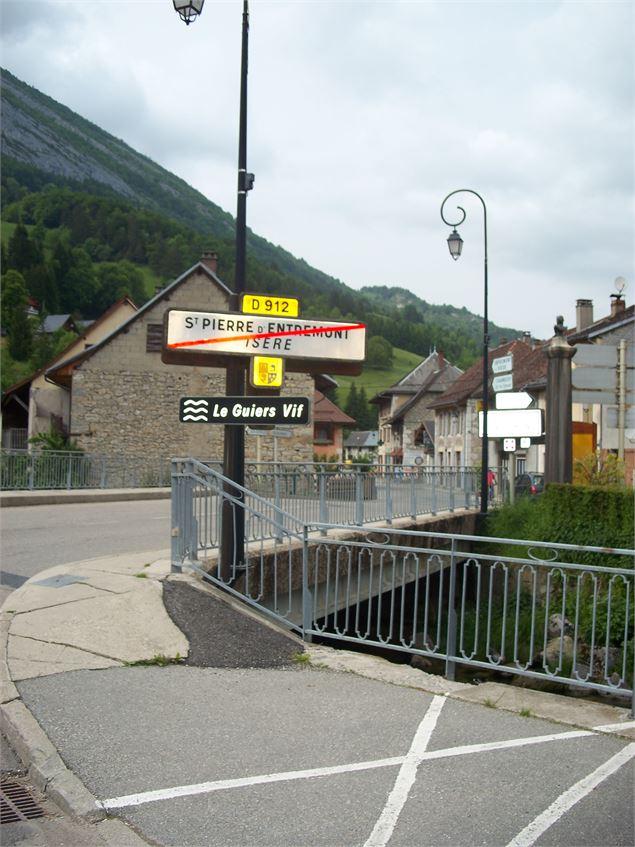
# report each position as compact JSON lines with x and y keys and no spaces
{"x":530,"y":370}
{"x":603,"y":326}
{"x":325,"y":411}
{"x":362,"y":438}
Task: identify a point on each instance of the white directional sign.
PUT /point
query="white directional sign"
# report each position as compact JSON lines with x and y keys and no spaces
{"x":244,"y":335}
{"x":503,"y":364}
{"x":512,"y":423}
{"x":513,"y":400}
{"x":503,"y":383}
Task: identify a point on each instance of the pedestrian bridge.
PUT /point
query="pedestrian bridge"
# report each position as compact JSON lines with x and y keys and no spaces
{"x":423,"y":584}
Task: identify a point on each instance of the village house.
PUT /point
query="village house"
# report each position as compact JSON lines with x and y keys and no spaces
{"x":121,"y":399}
{"x":36,"y":405}
{"x":595,"y":425}
{"x":361,"y":444}
{"x":406,"y":419}
{"x":328,"y":428}
{"x":457,"y":441}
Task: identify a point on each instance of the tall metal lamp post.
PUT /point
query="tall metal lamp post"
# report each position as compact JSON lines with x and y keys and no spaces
{"x":233,"y":519}
{"x":455,"y":244}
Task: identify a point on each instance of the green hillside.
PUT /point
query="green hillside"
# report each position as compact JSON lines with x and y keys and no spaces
{"x":85,"y":219}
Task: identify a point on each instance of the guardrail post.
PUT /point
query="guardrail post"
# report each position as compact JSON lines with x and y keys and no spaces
{"x":323,"y":508}
{"x":307,"y":596}
{"x":433,"y":504}
{"x":413,"y":496}
{"x":30,"y":470}
{"x":452,"y":490}
{"x":359,"y":497}
{"x":388,"y":498}
{"x":450,"y":647}
{"x":176,"y":527}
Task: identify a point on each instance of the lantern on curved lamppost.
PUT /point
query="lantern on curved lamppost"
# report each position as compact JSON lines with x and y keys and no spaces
{"x":188,"y":10}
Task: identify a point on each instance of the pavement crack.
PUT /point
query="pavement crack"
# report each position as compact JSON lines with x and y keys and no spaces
{"x":68,"y":602}
{"x":69,"y":646}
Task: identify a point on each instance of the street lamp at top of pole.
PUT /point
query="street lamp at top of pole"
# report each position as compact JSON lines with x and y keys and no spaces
{"x":455,"y":245}
{"x":188,"y":10}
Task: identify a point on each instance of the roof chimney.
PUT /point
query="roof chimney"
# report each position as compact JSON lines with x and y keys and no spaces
{"x":583,"y":314}
{"x":210,"y":260}
{"x":441,"y":359}
{"x":617,"y":304}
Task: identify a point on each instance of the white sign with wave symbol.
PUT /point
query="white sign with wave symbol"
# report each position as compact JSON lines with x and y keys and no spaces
{"x":195,"y":410}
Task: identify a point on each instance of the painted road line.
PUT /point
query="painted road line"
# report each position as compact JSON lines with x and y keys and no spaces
{"x":384,"y":828}
{"x":615,"y":727}
{"x":243,"y":782}
{"x":530,"y":834}
{"x":261,"y":779}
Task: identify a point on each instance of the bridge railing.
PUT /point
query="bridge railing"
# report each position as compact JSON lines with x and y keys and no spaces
{"x":552,"y":612}
{"x":35,"y":470}
{"x":468,"y":605}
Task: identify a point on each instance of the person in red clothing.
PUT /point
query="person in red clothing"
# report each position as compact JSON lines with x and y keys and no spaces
{"x":491,"y":479}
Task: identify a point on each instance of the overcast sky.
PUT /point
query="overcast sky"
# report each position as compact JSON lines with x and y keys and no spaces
{"x":364,"y":115}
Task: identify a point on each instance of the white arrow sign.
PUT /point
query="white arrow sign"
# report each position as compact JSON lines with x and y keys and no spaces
{"x":513,"y":400}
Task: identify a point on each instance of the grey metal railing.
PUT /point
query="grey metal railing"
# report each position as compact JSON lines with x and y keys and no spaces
{"x":48,"y":469}
{"x":553,"y":612}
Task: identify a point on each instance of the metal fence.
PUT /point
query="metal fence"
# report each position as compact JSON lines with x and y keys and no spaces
{"x":557,"y":613}
{"x":47,"y":469}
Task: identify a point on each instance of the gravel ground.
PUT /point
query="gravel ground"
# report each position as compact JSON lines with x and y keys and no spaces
{"x":221,"y":636}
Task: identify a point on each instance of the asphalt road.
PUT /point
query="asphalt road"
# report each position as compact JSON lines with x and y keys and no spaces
{"x":34,"y":538}
{"x":256,"y":757}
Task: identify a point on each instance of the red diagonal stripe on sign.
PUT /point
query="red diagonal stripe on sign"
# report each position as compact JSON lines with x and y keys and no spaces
{"x":311,"y":331}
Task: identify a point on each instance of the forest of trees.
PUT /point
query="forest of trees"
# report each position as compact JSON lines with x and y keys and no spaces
{"x":78,"y":253}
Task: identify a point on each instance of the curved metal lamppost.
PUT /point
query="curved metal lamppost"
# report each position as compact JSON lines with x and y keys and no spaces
{"x":455,"y":245}
{"x":233,"y":519}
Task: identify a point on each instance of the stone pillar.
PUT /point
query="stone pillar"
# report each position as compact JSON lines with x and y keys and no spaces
{"x":558,"y":428}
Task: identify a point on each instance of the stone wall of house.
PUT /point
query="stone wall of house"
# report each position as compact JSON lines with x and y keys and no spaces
{"x":126,"y":400}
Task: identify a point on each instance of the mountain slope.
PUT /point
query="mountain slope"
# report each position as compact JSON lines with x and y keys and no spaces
{"x":44,"y":143}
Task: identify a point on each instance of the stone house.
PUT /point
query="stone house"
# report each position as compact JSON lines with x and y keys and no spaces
{"x":595,"y":426}
{"x":36,"y":405}
{"x":362,"y":443}
{"x":328,"y":428}
{"x":405,"y":416}
{"x":124,"y":400}
{"x":457,"y":442}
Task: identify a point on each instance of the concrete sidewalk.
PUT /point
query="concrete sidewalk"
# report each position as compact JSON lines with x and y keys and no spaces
{"x":53,"y":497}
{"x":110,"y":613}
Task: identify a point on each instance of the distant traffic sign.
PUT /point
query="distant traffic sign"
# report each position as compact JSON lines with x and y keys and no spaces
{"x":503,"y":364}
{"x":513,"y":400}
{"x":503,"y":383}
{"x":512,"y":423}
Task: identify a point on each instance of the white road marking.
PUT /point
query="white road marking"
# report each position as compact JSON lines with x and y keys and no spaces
{"x":530,"y":834}
{"x":384,"y":828}
{"x":615,"y":727}
{"x":261,"y":779}
{"x":243,"y":782}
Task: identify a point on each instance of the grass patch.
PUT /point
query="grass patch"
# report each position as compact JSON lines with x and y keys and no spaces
{"x":159,"y":661}
{"x":301,"y":658}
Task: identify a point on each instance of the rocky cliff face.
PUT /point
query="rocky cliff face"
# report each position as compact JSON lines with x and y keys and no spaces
{"x":45,"y":135}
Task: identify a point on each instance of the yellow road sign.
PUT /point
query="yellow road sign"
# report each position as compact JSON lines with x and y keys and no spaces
{"x":266,"y":372}
{"x":265,"y":304}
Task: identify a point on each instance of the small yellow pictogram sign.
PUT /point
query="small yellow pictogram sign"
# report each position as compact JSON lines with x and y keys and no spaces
{"x":267,"y":372}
